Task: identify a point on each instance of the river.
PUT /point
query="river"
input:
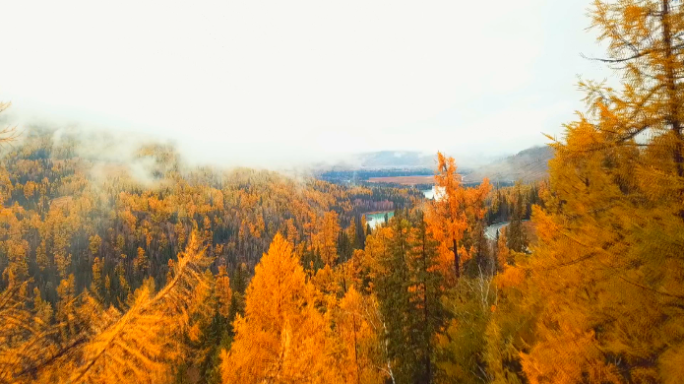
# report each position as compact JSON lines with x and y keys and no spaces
{"x":435,"y":192}
{"x":490,"y":232}
{"x":429,"y":193}
{"x":376,"y":218}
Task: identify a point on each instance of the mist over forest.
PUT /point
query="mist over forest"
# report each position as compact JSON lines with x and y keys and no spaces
{"x":352,"y":193}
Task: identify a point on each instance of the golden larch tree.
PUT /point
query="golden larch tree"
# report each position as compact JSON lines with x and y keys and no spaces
{"x":608,"y":270}
{"x":453,"y":211}
{"x":281,"y":338}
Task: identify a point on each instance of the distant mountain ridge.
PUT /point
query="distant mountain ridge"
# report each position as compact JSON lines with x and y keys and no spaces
{"x":395,"y":160}
{"x":528,"y":165}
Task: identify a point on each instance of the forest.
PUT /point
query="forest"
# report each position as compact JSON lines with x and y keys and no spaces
{"x":144,"y":269}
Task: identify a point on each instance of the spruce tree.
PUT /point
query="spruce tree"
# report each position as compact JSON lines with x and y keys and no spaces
{"x":428,"y":313}
{"x":517,"y":241}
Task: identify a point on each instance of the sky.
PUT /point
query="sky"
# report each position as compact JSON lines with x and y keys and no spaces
{"x":272,"y":82}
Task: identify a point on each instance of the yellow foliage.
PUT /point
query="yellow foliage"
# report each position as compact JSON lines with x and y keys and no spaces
{"x":281,"y":338}
{"x":223,"y":292}
{"x":511,"y":277}
{"x":453,"y":211}
{"x":99,"y":346}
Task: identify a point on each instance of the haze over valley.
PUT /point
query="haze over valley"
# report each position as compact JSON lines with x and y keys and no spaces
{"x":355,"y":192}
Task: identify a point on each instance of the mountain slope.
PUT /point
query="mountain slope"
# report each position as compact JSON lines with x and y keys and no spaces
{"x":528,"y":165}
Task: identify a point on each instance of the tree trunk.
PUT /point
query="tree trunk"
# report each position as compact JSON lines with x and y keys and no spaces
{"x":426,"y":312}
{"x":356,"y":351}
{"x":673,"y":99}
{"x":457,"y":260}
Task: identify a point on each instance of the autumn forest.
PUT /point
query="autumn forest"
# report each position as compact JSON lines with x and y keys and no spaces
{"x":145,"y":269}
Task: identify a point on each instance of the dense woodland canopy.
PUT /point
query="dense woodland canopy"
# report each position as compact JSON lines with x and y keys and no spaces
{"x":142,"y":269}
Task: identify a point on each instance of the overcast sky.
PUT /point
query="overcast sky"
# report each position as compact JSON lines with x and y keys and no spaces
{"x":272,"y":82}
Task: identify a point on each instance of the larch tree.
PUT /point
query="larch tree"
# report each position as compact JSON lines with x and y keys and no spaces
{"x":141,"y":344}
{"x":608,"y":271}
{"x":446,"y":214}
{"x":358,"y":342}
{"x":281,"y":338}
{"x":406,"y":279}
{"x":224,"y":293}
{"x":22,"y":339}
{"x":427,"y":289}
{"x":503,"y":253}
{"x":90,"y":344}
{"x":516,"y":239}
{"x":326,"y":237}
{"x":391,"y":285}
{"x":455,"y":212}
{"x":7,"y":134}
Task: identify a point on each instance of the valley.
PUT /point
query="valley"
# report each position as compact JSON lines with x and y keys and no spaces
{"x":357,"y":192}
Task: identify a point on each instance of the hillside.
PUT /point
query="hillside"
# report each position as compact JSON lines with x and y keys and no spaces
{"x":127,"y":259}
{"x":528,"y":165}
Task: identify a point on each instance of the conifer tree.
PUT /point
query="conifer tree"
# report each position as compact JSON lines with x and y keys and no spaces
{"x":223,"y":292}
{"x":428,"y":312}
{"x":454,"y":213}
{"x":446,"y":215}
{"x":608,"y":266}
{"x":517,"y":240}
{"x":392,"y":289}
{"x":281,"y":338}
